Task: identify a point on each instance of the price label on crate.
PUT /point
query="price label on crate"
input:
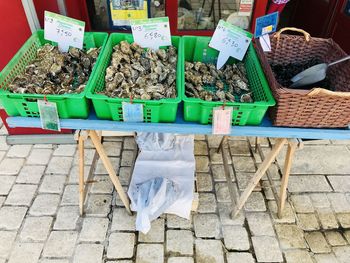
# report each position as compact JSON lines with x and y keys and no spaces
{"x":230,"y":41}
{"x":132,"y":112}
{"x":152,"y":33}
{"x":64,"y":30}
{"x":48,"y":115}
{"x":222,"y":120}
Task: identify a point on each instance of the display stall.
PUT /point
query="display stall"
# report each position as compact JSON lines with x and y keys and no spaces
{"x":152,"y":80}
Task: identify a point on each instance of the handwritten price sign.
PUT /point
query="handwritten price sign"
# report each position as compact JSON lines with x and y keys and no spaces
{"x":152,"y":33}
{"x":222,"y":119}
{"x":230,"y":41}
{"x":64,"y":30}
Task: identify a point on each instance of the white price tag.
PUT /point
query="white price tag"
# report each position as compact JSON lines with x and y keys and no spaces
{"x":230,"y":41}
{"x":49,"y":115}
{"x":132,"y":112}
{"x":152,"y":33}
{"x":64,"y":30}
{"x":265,"y":43}
{"x":222,"y":120}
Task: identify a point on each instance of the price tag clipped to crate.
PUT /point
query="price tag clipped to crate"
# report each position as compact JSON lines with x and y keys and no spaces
{"x":48,"y":115}
{"x":222,"y":120}
{"x":132,"y":112}
{"x":230,"y":41}
{"x":152,"y":33}
{"x":64,"y":30}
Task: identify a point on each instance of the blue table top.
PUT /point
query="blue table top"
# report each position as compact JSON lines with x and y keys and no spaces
{"x":265,"y":129}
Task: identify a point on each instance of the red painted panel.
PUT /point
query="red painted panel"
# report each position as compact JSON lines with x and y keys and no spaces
{"x":14,"y":29}
{"x":42,"y":5}
{"x":78,"y":10}
{"x":314,"y":16}
{"x":339,"y":28}
{"x":260,"y":7}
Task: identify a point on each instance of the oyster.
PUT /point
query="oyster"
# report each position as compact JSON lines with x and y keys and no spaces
{"x":204,"y":81}
{"x":54,"y":72}
{"x":141,"y":73}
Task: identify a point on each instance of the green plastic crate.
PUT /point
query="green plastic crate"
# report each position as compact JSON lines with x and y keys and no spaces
{"x":163,"y":110}
{"x":68,"y":105}
{"x":198,"y":110}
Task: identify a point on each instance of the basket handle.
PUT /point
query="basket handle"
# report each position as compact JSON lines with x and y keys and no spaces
{"x":306,"y":34}
{"x":320,"y":91}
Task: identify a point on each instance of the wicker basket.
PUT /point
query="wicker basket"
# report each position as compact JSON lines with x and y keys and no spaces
{"x":308,"y":108}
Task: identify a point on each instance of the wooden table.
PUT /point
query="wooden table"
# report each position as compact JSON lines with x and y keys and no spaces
{"x":290,"y":136}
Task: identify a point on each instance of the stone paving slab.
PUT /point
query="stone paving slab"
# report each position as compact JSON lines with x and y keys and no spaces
{"x":39,"y":192}
{"x":60,"y":244}
{"x":67,"y":218}
{"x":316,"y":159}
{"x":28,"y":252}
{"x":36,"y":229}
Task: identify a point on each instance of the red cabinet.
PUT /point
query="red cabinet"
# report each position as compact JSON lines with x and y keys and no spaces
{"x":14,"y":30}
{"x":339,"y":27}
{"x":323,"y":18}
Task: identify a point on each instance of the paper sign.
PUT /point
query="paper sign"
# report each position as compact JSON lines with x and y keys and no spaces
{"x":265,"y":43}
{"x":266,"y":24}
{"x":132,"y":112}
{"x":64,"y":30}
{"x":230,"y":41}
{"x":48,"y":115}
{"x":222,"y":120}
{"x":152,"y":33}
{"x":122,"y":12}
{"x":245,"y":7}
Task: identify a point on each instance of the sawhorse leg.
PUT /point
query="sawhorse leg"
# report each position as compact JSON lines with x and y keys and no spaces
{"x":84,"y":184}
{"x":259,"y":174}
{"x":81,"y":174}
{"x":230,"y":185}
{"x":109,"y":167}
{"x":96,"y":140}
{"x":292,"y":145}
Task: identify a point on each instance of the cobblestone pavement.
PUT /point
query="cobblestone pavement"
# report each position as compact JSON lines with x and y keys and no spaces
{"x":39,"y":219}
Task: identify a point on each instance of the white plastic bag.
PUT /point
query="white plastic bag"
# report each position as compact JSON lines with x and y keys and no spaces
{"x":173,"y":160}
{"x":152,"y":198}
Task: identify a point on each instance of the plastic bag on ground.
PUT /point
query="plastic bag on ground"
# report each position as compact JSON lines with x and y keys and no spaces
{"x":173,"y":161}
{"x":152,"y":198}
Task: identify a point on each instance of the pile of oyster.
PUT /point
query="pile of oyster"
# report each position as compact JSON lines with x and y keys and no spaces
{"x":206,"y":82}
{"x":55,"y":72}
{"x":140,"y":73}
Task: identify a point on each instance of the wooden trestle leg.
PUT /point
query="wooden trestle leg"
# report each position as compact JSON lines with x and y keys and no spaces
{"x":109,"y":167}
{"x":259,"y":174}
{"x":292,"y":145}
